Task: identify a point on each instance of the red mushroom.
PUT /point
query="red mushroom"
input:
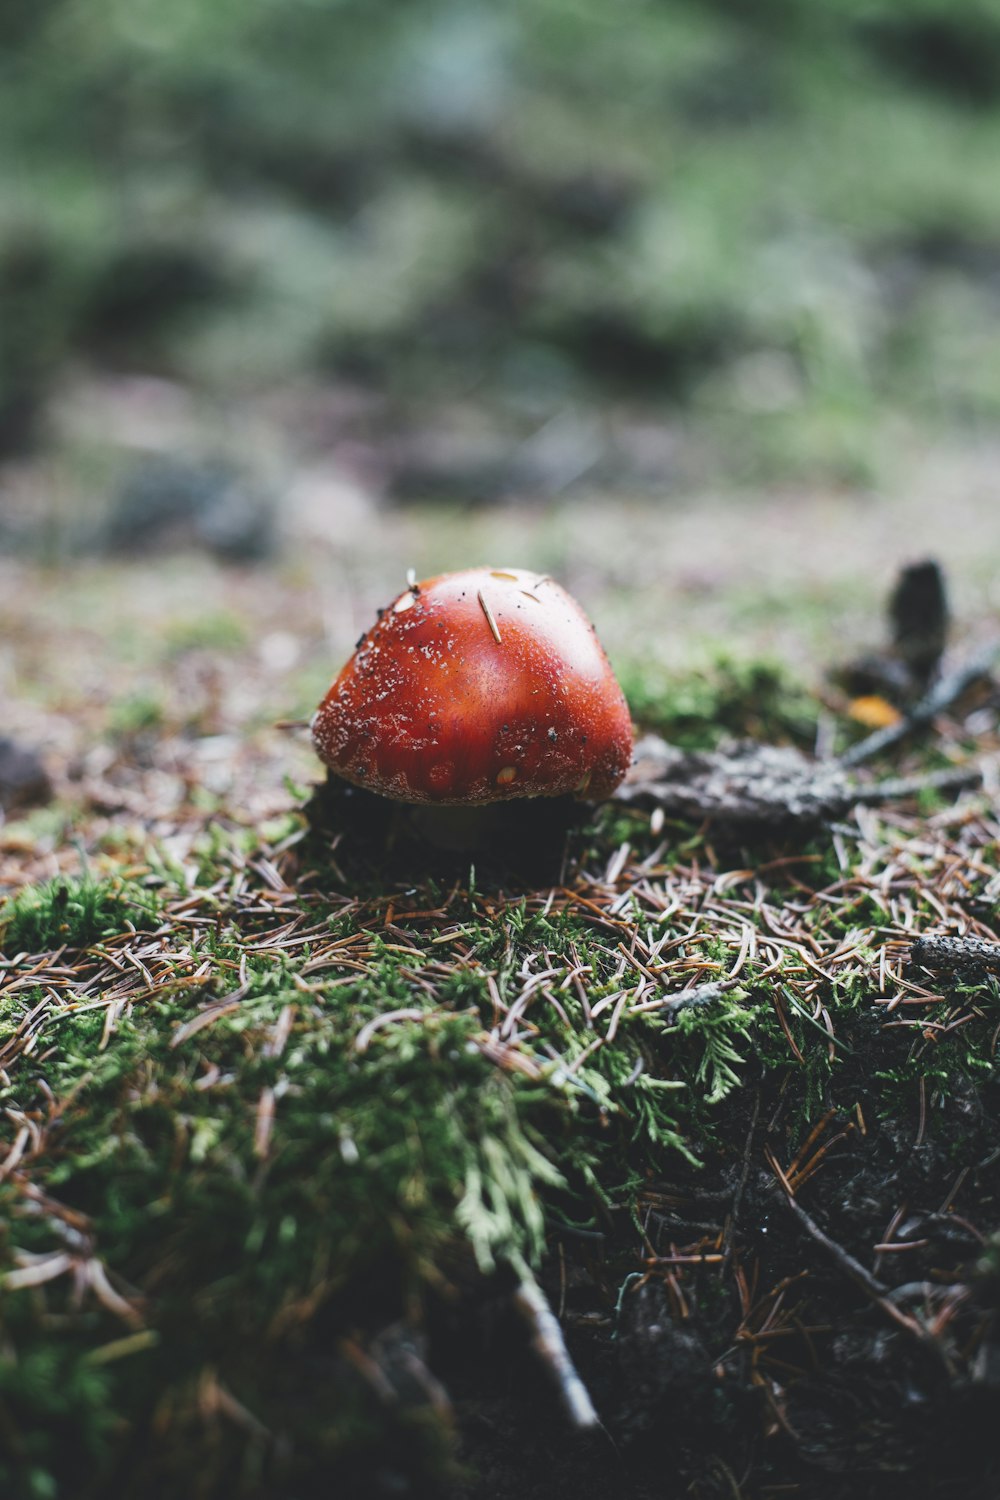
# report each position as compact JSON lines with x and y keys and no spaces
{"x":478,"y":687}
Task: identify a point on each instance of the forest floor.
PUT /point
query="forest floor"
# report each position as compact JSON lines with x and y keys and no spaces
{"x":290,"y":1117}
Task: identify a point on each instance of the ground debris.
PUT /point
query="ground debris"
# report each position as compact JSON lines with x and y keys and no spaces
{"x":961,"y":953}
{"x":242,"y":1091}
{"x":941,"y":695}
{"x":918,"y":619}
{"x":764,"y":787}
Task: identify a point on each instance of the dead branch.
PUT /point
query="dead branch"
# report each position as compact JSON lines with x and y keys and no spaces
{"x":874,"y":1289}
{"x":956,"y":953}
{"x":764,"y":787}
{"x":898,"y":788}
{"x":550,"y":1347}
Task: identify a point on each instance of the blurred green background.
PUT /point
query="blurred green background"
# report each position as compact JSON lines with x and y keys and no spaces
{"x":514,"y":247}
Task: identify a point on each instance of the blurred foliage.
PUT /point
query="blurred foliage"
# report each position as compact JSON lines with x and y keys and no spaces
{"x":696,"y":710}
{"x":779,"y":216}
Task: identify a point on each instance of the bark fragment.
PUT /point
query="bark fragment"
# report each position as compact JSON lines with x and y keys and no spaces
{"x":764,"y":787}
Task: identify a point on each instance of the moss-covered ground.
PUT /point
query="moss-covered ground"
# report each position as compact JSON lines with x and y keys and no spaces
{"x":287,"y":1118}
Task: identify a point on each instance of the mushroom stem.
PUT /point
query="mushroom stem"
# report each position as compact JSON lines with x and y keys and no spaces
{"x":460,"y":829}
{"x":525,"y":838}
{"x":516,"y":834}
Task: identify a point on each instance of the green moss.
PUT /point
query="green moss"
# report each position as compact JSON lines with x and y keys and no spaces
{"x":947,"y":1065}
{"x":74,"y":913}
{"x":130,"y":716}
{"x":258,"y":1198}
{"x":380,"y":1154}
{"x":695,"y":710}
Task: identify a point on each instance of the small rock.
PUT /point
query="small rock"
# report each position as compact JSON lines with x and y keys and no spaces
{"x":24,"y":781}
{"x":168,"y":502}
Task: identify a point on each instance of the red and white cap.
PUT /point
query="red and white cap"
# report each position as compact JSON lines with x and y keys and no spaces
{"x":478,"y":687}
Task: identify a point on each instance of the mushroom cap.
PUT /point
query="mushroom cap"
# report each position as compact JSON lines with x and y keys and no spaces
{"x":477,"y":687}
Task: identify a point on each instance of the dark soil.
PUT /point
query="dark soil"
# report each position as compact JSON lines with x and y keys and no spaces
{"x":772,"y":1372}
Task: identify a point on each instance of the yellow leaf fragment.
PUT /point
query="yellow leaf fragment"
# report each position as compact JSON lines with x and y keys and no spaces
{"x":873,"y":711}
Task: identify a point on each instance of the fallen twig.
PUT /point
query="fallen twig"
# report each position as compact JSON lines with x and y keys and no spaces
{"x":897,"y":788}
{"x":956,"y":953}
{"x":765,"y":787}
{"x":869,"y":1284}
{"x":550,"y":1347}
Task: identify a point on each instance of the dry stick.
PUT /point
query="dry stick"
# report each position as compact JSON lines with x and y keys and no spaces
{"x":941,"y":696}
{"x":956,"y":953}
{"x":863,"y":1278}
{"x":766,"y":786}
{"x":895,"y":788}
{"x":550,"y":1346}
